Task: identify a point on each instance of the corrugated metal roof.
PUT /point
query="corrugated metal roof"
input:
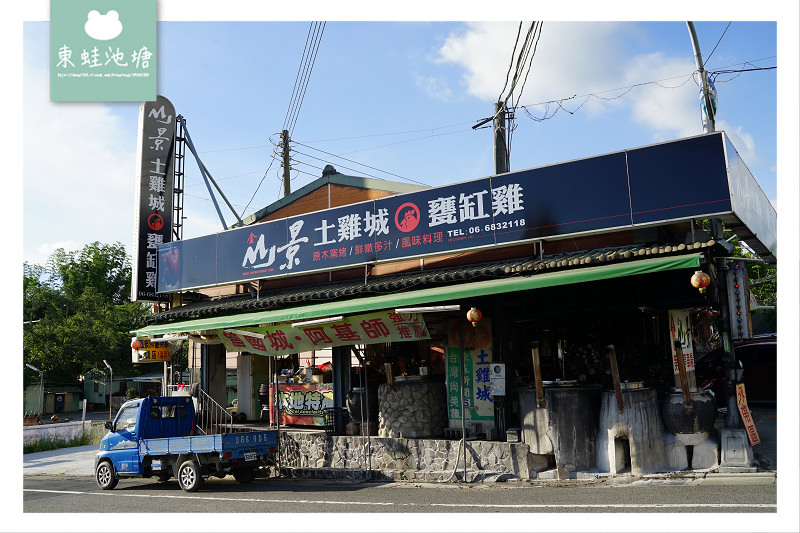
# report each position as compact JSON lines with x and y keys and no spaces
{"x":320,"y":293}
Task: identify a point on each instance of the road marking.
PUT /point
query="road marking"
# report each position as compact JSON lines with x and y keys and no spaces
{"x":454,"y":505}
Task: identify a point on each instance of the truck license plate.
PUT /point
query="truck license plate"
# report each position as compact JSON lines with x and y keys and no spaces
{"x":249,"y":456}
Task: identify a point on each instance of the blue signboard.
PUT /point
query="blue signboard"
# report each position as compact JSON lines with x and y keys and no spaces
{"x":643,"y":186}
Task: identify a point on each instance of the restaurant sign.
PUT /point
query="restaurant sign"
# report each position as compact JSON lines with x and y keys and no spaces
{"x":154,"y":190}
{"x":475,"y":375}
{"x":639,"y":187}
{"x":372,"y":328}
{"x":747,"y":417}
{"x":147,"y":351}
{"x":680,"y":329}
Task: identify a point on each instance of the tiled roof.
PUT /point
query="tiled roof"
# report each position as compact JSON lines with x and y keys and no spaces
{"x":319,"y":293}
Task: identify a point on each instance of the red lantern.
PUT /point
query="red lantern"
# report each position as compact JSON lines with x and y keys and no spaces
{"x":700,"y":281}
{"x":474,"y":315}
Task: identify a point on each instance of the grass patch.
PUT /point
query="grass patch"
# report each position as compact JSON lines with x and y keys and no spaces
{"x":49,"y":443}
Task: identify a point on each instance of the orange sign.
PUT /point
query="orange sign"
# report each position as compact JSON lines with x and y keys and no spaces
{"x":148,"y":351}
{"x":747,"y":418}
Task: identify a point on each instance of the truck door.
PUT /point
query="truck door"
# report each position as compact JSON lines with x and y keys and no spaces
{"x":123,"y":442}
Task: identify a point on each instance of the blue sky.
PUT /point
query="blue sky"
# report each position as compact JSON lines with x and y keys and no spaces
{"x":391,"y":100}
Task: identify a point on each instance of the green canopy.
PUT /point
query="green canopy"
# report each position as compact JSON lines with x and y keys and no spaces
{"x":430,"y":295}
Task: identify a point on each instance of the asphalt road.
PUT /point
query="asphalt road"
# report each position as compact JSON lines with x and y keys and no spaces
{"x":65,"y":494}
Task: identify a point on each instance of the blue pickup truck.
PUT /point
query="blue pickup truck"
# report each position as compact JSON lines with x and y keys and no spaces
{"x":159,"y":437}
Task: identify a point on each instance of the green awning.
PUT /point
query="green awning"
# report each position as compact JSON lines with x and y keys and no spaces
{"x":430,"y":295}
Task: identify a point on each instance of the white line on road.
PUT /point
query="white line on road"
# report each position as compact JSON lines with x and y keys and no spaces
{"x":488,"y":506}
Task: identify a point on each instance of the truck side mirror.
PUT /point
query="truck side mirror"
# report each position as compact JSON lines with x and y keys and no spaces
{"x":109,"y":425}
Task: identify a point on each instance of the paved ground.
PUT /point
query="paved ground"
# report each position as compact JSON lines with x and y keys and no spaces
{"x":80,"y":460}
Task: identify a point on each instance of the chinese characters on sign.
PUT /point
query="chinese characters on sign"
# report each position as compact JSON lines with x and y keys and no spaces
{"x":378,"y":230}
{"x":747,"y":418}
{"x":303,"y":404}
{"x":372,"y":328}
{"x":610,"y":192}
{"x":151,"y":351}
{"x":103,"y":51}
{"x":680,"y":329}
{"x":154,"y":197}
{"x":478,"y":400}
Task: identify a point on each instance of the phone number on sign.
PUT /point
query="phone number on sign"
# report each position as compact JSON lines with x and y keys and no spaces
{"x":505,"y":225}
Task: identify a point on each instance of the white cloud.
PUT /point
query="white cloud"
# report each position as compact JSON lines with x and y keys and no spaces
{"x":671,"y":108}
{"x":79,"y":172}
{"x":571,"y":58}
{"x":576,"y":59}
{"x":435,"y":87}
{"x":742,"y":141}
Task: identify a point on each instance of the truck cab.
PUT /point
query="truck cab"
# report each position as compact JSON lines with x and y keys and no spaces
{"x":144,"y":418}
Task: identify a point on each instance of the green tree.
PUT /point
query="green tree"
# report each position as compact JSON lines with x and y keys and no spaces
{"x":77,"y":312}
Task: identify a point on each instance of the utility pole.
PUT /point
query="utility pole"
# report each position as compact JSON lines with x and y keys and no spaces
{"x":501,"y":159}
{"x":287,"y":187}
{"x":710,"y":111}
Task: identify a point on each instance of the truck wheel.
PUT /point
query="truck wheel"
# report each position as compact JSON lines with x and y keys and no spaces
{"x":189,"y":476}
{"x":244,"y":475}
{"x":105,"y":476}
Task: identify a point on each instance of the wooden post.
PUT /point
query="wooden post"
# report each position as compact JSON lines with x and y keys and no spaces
{"x":612,"y":357}
{"x":537,"y":374}
{"x":687,"y":396}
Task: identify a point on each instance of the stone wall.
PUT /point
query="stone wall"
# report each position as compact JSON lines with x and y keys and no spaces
{"x":306,"y":454}
{"x":413,"y":409}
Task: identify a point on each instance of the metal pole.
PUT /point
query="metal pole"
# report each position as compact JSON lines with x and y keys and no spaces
{"x":202,"y":172}
{"x":110,"y":386}
{"x":287,"y":166}
{"x":708,"y":126}
{"x":499,"y":126}
{"x":463,"y":407}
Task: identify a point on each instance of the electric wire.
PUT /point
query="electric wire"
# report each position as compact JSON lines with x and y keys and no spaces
{"x":313,"y":39}
{"x":352,"y":161}
{"x":715,"y":46}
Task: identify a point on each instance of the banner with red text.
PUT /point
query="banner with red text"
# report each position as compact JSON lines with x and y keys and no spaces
{"x":282,"y":339}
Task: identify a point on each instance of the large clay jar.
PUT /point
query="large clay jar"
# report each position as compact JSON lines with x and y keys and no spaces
{"x":358,"y":399}
{"x":693,"y":425}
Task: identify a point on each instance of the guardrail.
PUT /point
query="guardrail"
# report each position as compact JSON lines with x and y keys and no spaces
{"x":211,"y":416}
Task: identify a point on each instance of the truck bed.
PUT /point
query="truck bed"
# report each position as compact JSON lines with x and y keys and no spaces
{"x":234,"y":443}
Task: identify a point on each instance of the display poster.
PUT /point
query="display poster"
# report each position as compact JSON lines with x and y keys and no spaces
{"x":478,"y":400}
{"x":303,"y":404}
{"x":680,"y":329}
{"x":282,"y":339}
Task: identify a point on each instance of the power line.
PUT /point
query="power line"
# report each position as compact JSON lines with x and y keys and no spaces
{"x":560,"y":101}
{"x":356,"y":162}
{"x":715,"y":46}
{"x":272,"y":160}
{"x":313,"y":39}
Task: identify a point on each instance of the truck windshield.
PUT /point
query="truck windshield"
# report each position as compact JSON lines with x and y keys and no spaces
{"x":127,"y":417}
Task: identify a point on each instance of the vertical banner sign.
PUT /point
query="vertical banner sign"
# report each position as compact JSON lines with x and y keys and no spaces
{"x":747,"y":418}
{"x":154,"y":189}
{"x":680,"y":329}
{"x":478,"y":400}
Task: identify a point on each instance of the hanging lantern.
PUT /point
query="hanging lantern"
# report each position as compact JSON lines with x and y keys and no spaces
{"x":474,"y":315}
{"x":700,"y":281}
